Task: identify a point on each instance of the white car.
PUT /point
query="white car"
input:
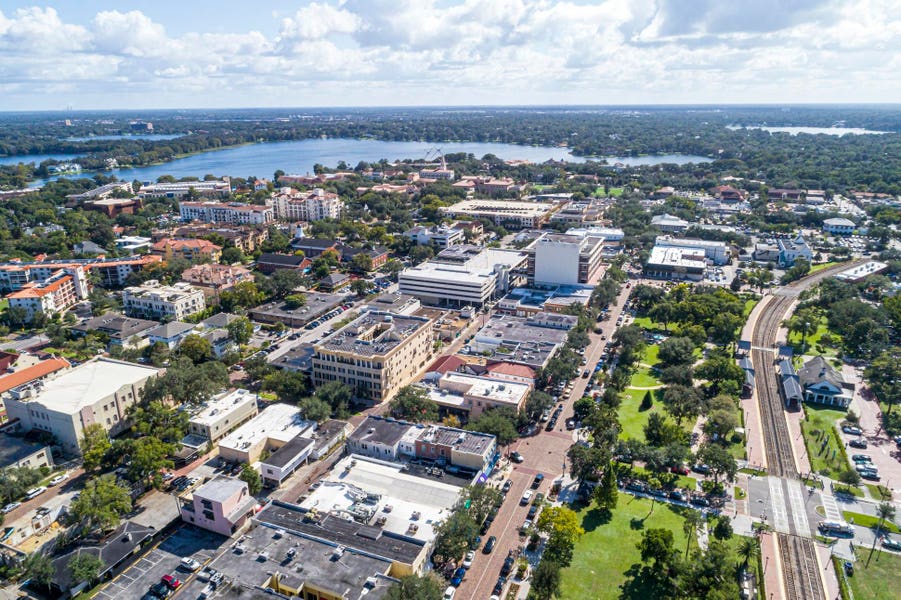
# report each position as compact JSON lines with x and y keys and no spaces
{"x":11,"y":507}
{"x":59,"y":479}
{"x":449,"y":593}
{"x":467,"y":562}
{"x":526,"y":497}
{"x":35,"y":492}
{"x":189,"y":564}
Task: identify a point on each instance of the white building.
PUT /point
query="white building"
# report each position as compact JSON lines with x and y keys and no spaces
{"x":718,"y":252}
{"x":232,"y":213}
{"x":565,"y":259}
{"x":294,"y":205}
{"x":472,"y":395}
{"x":219,"y":188}
{"x":861,"y":272}
{"x":155,"y":301}
{"x":506,"y":213}
{"x":277,"y":425}
{"x":99,"y":391}
{"x":464,"y":275}
{"x":223,"y":413}
{"x":676,"y":263}
{"x":839,"y":226}
{"x":443,"y":237}
{"x":55,"y":294}
{"x":669,"y":223}
{"x":792,"y":250}
{"x":133,"y":243}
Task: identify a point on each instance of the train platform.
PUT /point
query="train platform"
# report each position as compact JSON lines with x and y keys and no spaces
{"x":772,"y":566}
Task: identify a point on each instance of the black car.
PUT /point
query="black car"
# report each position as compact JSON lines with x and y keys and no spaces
{"x":508,"y":566}
{"x":870,"y":476}
{"x":536,"y":483}
{"x":507,"y":485}
{"x":700,"y":501}
{"x":550,"y":425}
{"x":160,"y":590}
{"x":533,"y":510}
{"x":489,"y":545}
{"x":499,"y":586}
{"x":858,"y":443}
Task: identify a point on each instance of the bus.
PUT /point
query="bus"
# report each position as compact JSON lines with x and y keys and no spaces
{"x":836,"y":528}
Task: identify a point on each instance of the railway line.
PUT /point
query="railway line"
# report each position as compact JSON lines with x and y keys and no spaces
{"x":800,"y":568}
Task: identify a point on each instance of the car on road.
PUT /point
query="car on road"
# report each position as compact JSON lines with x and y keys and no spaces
{"x":536,"y":483}
{"x":526,"y":497}
{"x":677,"y":495}
{"x":516,"y":457}
{"x":700,"y":501}
{"x":702,"y":469}
{"x":449,"y":593}
{"x":59,"y":479}
{"x":507,"y":568}
{"x":189,"y":564}
{"x":467,"y":561}
{"x":859,"y":443}
{"x":861,"y":458}
{"x":507,"y":485}
{"x":171,"y":581}
{"x":457,"y":578}
{"x":499,"y":586}
{"x":851,"y":430}
{"x":489,"y":545}
{"x":11,"y":507}
{"x":35,"y":492}
{"x":533,"y":510}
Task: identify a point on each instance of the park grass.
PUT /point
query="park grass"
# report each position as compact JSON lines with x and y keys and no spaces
{"x":648,"y":324}
{"x":879,"y":492}
{"x":868,"y":521}
{"x":643,"y":377}
{"x":820,"y":267}
{"x":881,"y":580}
{"x":750,"y":303}
{"x":607,"y":550}
{"x":820,"y":422}
{"x":814,"y":340}
{"x":615,"y":192}
{"x":632,"y":418}
{"x":650,"y":353}
{"x":841,"y":488}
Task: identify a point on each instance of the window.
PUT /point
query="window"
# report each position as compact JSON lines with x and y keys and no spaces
{"x":208,"y":515}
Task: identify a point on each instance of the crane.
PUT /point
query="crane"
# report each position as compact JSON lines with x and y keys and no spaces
{"x":436,"y":153}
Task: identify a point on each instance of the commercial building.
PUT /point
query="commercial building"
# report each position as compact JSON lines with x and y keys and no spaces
{"x":792,"y":250}
{"x":376,"y":354}
{"x":222,"y":505}
{"x":103,"y":191}
{"x":232,"y":213}
{"x":189,"y":249}
{"x":716,"y":252}
{"x":24,"y":369}
{"x":270,"y":262}
{"x":317,"y":305}
{"x":580,"y":213}
{"x":676,"y":263}
{"x":669,"y":223}
{"x":822,"y":384}
{"x":443,"y":237}
{"x":565,"y":259}
{"x":133,"y":243}
{"x":530,"y":341}
{"x":839,"y":226}
{"x":295,"y":205}
{"x":523,"y":302}
{"x":16,"y":452}
{"x":314,"y":247}
{"x":158,"y":301}
{"x":63,"y":289}
{"x":464,"y":275}
{"x":222,"y":414}
{"x":113,"y":272}
{"x":397,"y":303}
{"x":99,"y":391}
{"x":469,"y":396}
{"x":271,"y":429}
{"x":861,"y":272}
{"x":211,"y":189}
{"x":214,"y":279}
{"x":113,"y":207}
{"x":128,"y":332}
{"x":506,"y":213}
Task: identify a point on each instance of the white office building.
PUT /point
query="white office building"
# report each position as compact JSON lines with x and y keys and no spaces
{"x":839,"y":226}
{"x":717,"y":252}
{"x":153,"y":300}
{"x":565,"y":259}
{"x":223,"y":413}
{"x":443,"y":237}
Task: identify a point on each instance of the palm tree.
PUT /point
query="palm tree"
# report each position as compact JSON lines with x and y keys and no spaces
{"x":885,"y":511}
{"x":690,"y":526}
{"x":748,"y":549}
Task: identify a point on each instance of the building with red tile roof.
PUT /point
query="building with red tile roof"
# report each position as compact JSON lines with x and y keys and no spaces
{"x":189,"y":249}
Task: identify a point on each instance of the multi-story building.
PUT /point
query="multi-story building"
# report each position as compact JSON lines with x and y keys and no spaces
{"x":506,"y":213}
{"x":530,"y":341}
{"x":24,"y":369}
{"x":464,"y":275}
{"x":122,"y":331}
{"x":270,"y":262}
{"x":268,"y":431}
{"x":376,"y":354}
{"x":232,"y":213}
{"x":243,"y":237}
{"x":792,"y":250}
{"x":469,"y":396}
{"x":113,"y":272}
{"x":220,"y":188}
{"x":113,"y":207}
{"x":213,"y":279}
{"x":580,"y":213}
{"x":295,"y":205}
{"x":565,"y":259}
{"x":443,"y":237}
{"x":676,"y":263}
{"x":53,"y":295}
{"x":99,"y":391}
{"x":156,"y":301}
{"x":191,"y":250}
{"x":717,"y":252}
{"x":223,"y":414}
{"x":839,"y":226}
{"x":222,"y":505}
{"x":669,"y":223}
{"x":99,"y":193}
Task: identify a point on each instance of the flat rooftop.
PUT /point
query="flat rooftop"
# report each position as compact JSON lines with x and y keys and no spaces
{"x":510,"y":208}
{"x":485,"y":387}
{"x":381,"y":431}
{"x":281,"y":422}
{"x":677,"y":257}
{"x":865,"y":270}
{"x":220,"y":489}
{"x":317,"y":304}
{"x":85,"y":384}
{"x":666,"y":240}
{"x":222,"y":404}
{"x":507,"y":328}
{"x":14,"y":449}
{"x":463,"y":265}
{"x":373,"y":333}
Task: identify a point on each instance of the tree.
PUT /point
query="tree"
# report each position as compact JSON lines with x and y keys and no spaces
{"x":545,"y":579}
{"x":85,"y":568}
{"x":231,"y":255}
{"x":337,"y":395}
{"x":481,"y":499}
{"x":101,"y":503}
{"x":720,"y":423}
{"x":723,"y":528}
{"x":416,"y":587}
{"x":748,"y":549}
{"x":252,"y":478}
{"x":94,"y":446}
{"x":295,"y":301}
{"x":886,"y":512}
{"x":412,"y":403}
{"x":663,"y":312}
{"x":160,"y":420}
{"x":657,"y":546}
{"x":676,"y":351}
{"x":564,"y":530}
{"x":722,"y":373}
{"x":540,"y":401}
{"x":690,"y":524}
{"x":361,"y":262}
{"x":499,"y":422}
{"x":197,"y":348}
{"x":721,"y":463}
{"x":314,"y":409}
{"x":453,"y":535}
{"x":606,"y":494}
{"x":884,"y":377}
{"x":360,"y":287}
{"x":240,"y":330}
{"x":285,"y":281}
{"x":39,"y":568}
{"x":682,"y":402}
{"x":149,"y":456}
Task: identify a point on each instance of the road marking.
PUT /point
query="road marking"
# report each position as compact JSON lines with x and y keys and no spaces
{"x":830,"y":507}
{"x":796,"y":493}
{"x":777,"y":505}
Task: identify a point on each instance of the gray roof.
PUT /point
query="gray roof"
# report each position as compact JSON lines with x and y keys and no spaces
{"x":220,"y":489}
{"x":374,"y":333}
{"x":172,"y":329}
{"x":117,"y":546}
{"x":288,"y":452}
{"x":380,"y":430}
{"x":14,"y":449}
{"x":792,"y":388}
{"x":220,"y":320}
{"x":817,"y":370}
{"x":116,"y":325}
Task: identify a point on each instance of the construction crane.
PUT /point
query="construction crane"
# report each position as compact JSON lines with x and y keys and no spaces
{"x":434,"y":153}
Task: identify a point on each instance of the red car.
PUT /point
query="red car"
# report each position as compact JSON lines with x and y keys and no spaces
{"x":171,"y":581}
{"x":681,"y":470}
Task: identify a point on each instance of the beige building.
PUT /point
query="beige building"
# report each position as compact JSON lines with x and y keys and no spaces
{"x":223,"y":414}
{"x":471,"y":395}
{"x":155,"y":301}
{"x":294,"y":205}
{"x":276,"y":426}
{"x":99,"y":391}
{"x":376,"y":354}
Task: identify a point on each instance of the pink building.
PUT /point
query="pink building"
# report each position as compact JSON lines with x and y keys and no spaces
{"x":222,"y":505}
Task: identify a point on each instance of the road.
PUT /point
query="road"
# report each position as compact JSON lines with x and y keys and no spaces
{"x":544,"y":453}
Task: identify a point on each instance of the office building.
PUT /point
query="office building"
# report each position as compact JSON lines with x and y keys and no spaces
{"x":839,"y":226}
{"x":222,"y":505}
{"x":101,"y":192}
{"x":133,"y":243}
{"x":156,"y":301}
{"x":113,"y":207}
{"x":220,"y":188}
{"x":99,"y":391}
{"x":676,"y":263}
{"x":443,"y":237}
{"x":861,"y":272}
{"x":506,"y":213}
{"x":231,"y":213}
{"x":716,"y":252}
{"x":295,"y":205}
{"x":376,"y":354}
{"x":222,"y":414}
{"x":669,"y":223}
{"x":16,"y":452}
{"x":530,"y":341}
{"x":565,"y":259}
{"x":268,"y":431}
{"x":468,"y":396}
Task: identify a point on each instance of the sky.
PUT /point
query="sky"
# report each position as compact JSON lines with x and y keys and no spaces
{"x":116,"y":54}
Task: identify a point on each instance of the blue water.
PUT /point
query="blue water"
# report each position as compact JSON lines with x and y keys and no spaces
{"x":656,"y":159}
{"x":35,"y":158}
{"x":123,"y":136}
{"x":839,"y":131}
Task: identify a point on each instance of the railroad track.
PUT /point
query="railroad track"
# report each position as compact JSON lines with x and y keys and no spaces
{"x":802,"y":580}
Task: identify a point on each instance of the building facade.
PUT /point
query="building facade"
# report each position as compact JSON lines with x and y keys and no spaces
{"x":222,"y":505}
{"x":295,"y":205}
{"x":155,"y":301}
{"x":230,"y":213}
{"x":190,"y":249}
{"x":223,"y":414}
{"x":53,"y":295}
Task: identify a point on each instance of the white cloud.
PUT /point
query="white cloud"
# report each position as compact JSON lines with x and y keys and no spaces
{"x":469,"y":51}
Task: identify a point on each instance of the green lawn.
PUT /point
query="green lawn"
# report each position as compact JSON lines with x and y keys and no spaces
{"x":608,"y":550}
{"x":632,"y":418}
{"x":647,"y":324}
{"x":644,"y":377}
{"x":616,"y":192}
{"x":649,"y":356}
{"x":879,"y":492}
{"x":869,"y":521}
{"x":750,"y":303}
{"x":826,"y":460}
{"x":814,"y":340}
{"x":881,"y":580}
{"x":820,"y":267}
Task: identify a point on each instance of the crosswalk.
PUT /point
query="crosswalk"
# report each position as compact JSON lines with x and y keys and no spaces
{"x":787,"y":506}
{"x":777,"y":506}
{"x":796,"y":496}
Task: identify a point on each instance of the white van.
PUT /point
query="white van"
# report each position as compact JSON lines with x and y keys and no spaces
{"x":34,"y":492}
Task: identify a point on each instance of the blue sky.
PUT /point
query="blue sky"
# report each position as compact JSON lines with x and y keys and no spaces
{"x":228,"y":53}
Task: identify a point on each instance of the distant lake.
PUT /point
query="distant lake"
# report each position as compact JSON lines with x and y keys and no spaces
{"x":35,"y":158}
{"x":123,"y":136}
{"x":657,"y":159}
{"x":811,"y":130}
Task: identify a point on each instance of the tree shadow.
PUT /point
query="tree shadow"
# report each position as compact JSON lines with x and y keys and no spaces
{"x":640,"y":584}
{"x":636,"y":523}
{"x":595,"y":518}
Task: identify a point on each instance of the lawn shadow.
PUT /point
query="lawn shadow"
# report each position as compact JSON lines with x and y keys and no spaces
{"x":595,"y":518}
{"x":640,"y":584}
{"x":636,"y":523}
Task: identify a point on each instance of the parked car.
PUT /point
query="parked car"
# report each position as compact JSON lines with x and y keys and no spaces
{"x":536,"y":483}
{"x":499,"y":586}
{"x":526,"y":496}
{"x":516,"y":457}
{"x":891,"y":544}
{"x":507,"y":567}
{"x":171,"y":581}
{"x":861,"y":458}
{"x":35,"y":492}
{"x":700,"y":501}
{"x":851,"y":430}
{"x":59,"y":479}
{"x":507,"y":485}
{"x":533,"y":510}
{"x":467,"y":561}
{"x":160,"y":590}
{"x":189,"y":564}
{"x":449,"y":593}
{"x":457,"y":577}
{"x":858,"y":443}
{"x":702,"y":469}
{"x":11,"y":507}
{"x":489,"y":545}
{"x":870,"y":476}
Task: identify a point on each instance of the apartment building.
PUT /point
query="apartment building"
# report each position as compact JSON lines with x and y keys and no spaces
{"x":376,"y":354}
{"x":219,"y":188}
{"x":295,"y":205}
{"x":213,"y":279}
{"x":443,"y":237}
{"x":63,"y":289}
{"x":223,"y":414}
{"x":222,"y":505}
{"x":231,"y":213}
{"x":113,"y":272}
{"x":99,"y":391}
{"x":565,"y":259}
{"x":506,"y":213}
{"x":190,"y":249}
{"x":243,"y":237}
{"x":122,"y":331}
{"x":156,"y":301}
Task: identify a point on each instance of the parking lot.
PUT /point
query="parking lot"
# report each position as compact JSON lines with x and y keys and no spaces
{"x":163,"y":559}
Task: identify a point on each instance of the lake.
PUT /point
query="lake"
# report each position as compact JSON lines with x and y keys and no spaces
{"x":35,"y":158}
{"x":656,"y":159}
{"x":811,"y":130}
{"x":124,"y":136}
